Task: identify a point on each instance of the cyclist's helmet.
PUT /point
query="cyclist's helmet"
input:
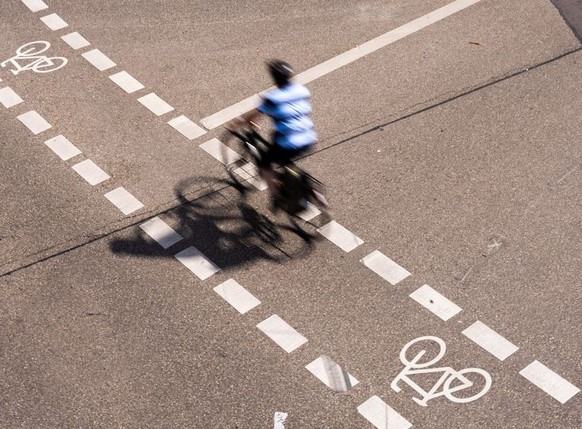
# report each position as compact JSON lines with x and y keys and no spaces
{"x":280,"y":71}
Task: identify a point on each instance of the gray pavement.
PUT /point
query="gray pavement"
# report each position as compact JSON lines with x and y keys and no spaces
{"x":452,"y":151}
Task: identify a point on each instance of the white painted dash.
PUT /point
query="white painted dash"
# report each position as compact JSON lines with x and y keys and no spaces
{"x":340,"y":236}
{"x":385,"y":267}
{"x":282,"y":333}
{"x":331,"y":374}
{"x":161,"y":232}
{"x":75,"y":40}
{"x":91,"y":172}
{"x":237,"y":296}
{"x":553,"y":384}
{"x":54,"y":22}
{"x":62,"y":147}
{"x":220,"y":151}
{"x":123,"y":200}
{"x":155,"y":104}
{"x":9,"y":98}
{"x":34,"y":122}
{"x":435,"y":302}
{"x":196,"y":262}
{"x":490,"y":340}
{"x":309,"y":213}
{"x":35,"y":5}
{"x":186,"y":127}
{"x":126,"y":82}
{"x":381,"y":415}
{"x":98,"y":59}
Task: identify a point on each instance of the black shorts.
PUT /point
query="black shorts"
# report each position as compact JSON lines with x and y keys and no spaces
{"x":281,"y":155}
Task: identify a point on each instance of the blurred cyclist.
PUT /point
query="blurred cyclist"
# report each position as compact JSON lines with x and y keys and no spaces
{"x":289,"y":107}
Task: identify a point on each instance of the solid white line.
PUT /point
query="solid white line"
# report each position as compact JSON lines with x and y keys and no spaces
{"x":282,"y":333}
{"x":237,"y":296}
{"x":161,"y":232}
{"x":186,"y":127}
{"x":35,"y":5}
{"x":344,"y":59}
{"x":381,"y":415}
{"x":9,"y":98}
{"x":340,"y":236}
{"x":550,"y":382}
{"x":99,"y":60}
{"x":54,"y":21}
{"x":34,"y":122}
{"x":435,"y":302}
{"x":123,"y":200}
{"x":196,"y":262}
{"x":75,"y":40}
{"x":155,"y":104}
{"x":385,"y":267}
{"x":217,"y":150}
{"x":91,"y":172}
{"x":331,"y":374}
{"x":126,"y":82}
{"x":490,"y":340}
{"x":62,"y":147}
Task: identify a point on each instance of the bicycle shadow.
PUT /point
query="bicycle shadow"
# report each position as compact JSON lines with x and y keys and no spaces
{"x":226,"y":229}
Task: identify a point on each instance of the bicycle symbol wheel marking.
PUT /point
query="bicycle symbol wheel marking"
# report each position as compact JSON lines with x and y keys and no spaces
{"x":451,"y":382}
{"x":28,"y":58}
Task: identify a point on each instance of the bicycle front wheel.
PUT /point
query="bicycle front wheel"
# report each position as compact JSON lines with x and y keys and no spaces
{"x":420,"y":357}
{"x":33,"y":48}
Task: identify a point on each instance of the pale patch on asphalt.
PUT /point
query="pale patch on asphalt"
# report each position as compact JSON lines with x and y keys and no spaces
{"x":279,"y":419}
{"x":186,"y":127}
{"x":155,"y":104}
{"x":282,"y":333}
{"x":35,"y":5}
{"x":381,"y":415}
{"x":490,"y":340}
{"x":75,"y":40}
{"x":9,"y":98}
{"x":435,"y":302}
{"x":385,"y":267}
{"x":340,"y":236}
{"x":98,"y":59}
{"x":61,"y":146}
{"x":34,"y":122}
{"x":237,"y":296}
{"x":91,"y":172}
{"x":196,"y":262}
{"x":54,"y":21}
{"x":331,"y":374}
{"x":126,"y":82}
{"x":550,"y":382}
{"x":220,"y":151}
{"x":161,"y":232}
{"x":123,"y":200}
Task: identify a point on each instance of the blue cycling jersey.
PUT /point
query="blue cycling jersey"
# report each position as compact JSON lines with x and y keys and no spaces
{"x":290,"y":108}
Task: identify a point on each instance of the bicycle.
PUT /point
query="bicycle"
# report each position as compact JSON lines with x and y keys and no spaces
{"x":38,"y":63}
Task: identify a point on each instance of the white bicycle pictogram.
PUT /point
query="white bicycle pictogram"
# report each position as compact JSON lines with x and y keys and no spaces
{"x":450,"y":383}
{"x":27,"y":58}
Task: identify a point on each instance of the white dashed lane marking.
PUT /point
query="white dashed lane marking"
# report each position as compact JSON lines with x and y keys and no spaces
{"x":186,"y":127}
{"x":490,"y":340}
{"x":282,"y":333}
{"x":35,"y":5}
{"x":126,"y":82}
{"x":550,"y":382}
{"x":91,"y":172}
{"x":237,"y":296}
{"x":196,"y":262}
{"x":159,"y":230}
{"x":309,"y":213}
{"x":340,"y":236}
{"x":34,"y":122}
{"x":9,"y":98}
{"x":381,"y":415}
{"x":435,"y":302}
{"x":331,"y":374}
{"x":75,"y":40}
{"x":123,"y":200}
{"x":98,"y":59}
{"x":220,"y":151}
{"x":385,"y":267}
{"x":155,"y":104}
{"x":54,"y":22}
{"x":62,"y":147}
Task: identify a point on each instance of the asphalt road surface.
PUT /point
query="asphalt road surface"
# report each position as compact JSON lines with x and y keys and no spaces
{"x":140,"y":289}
